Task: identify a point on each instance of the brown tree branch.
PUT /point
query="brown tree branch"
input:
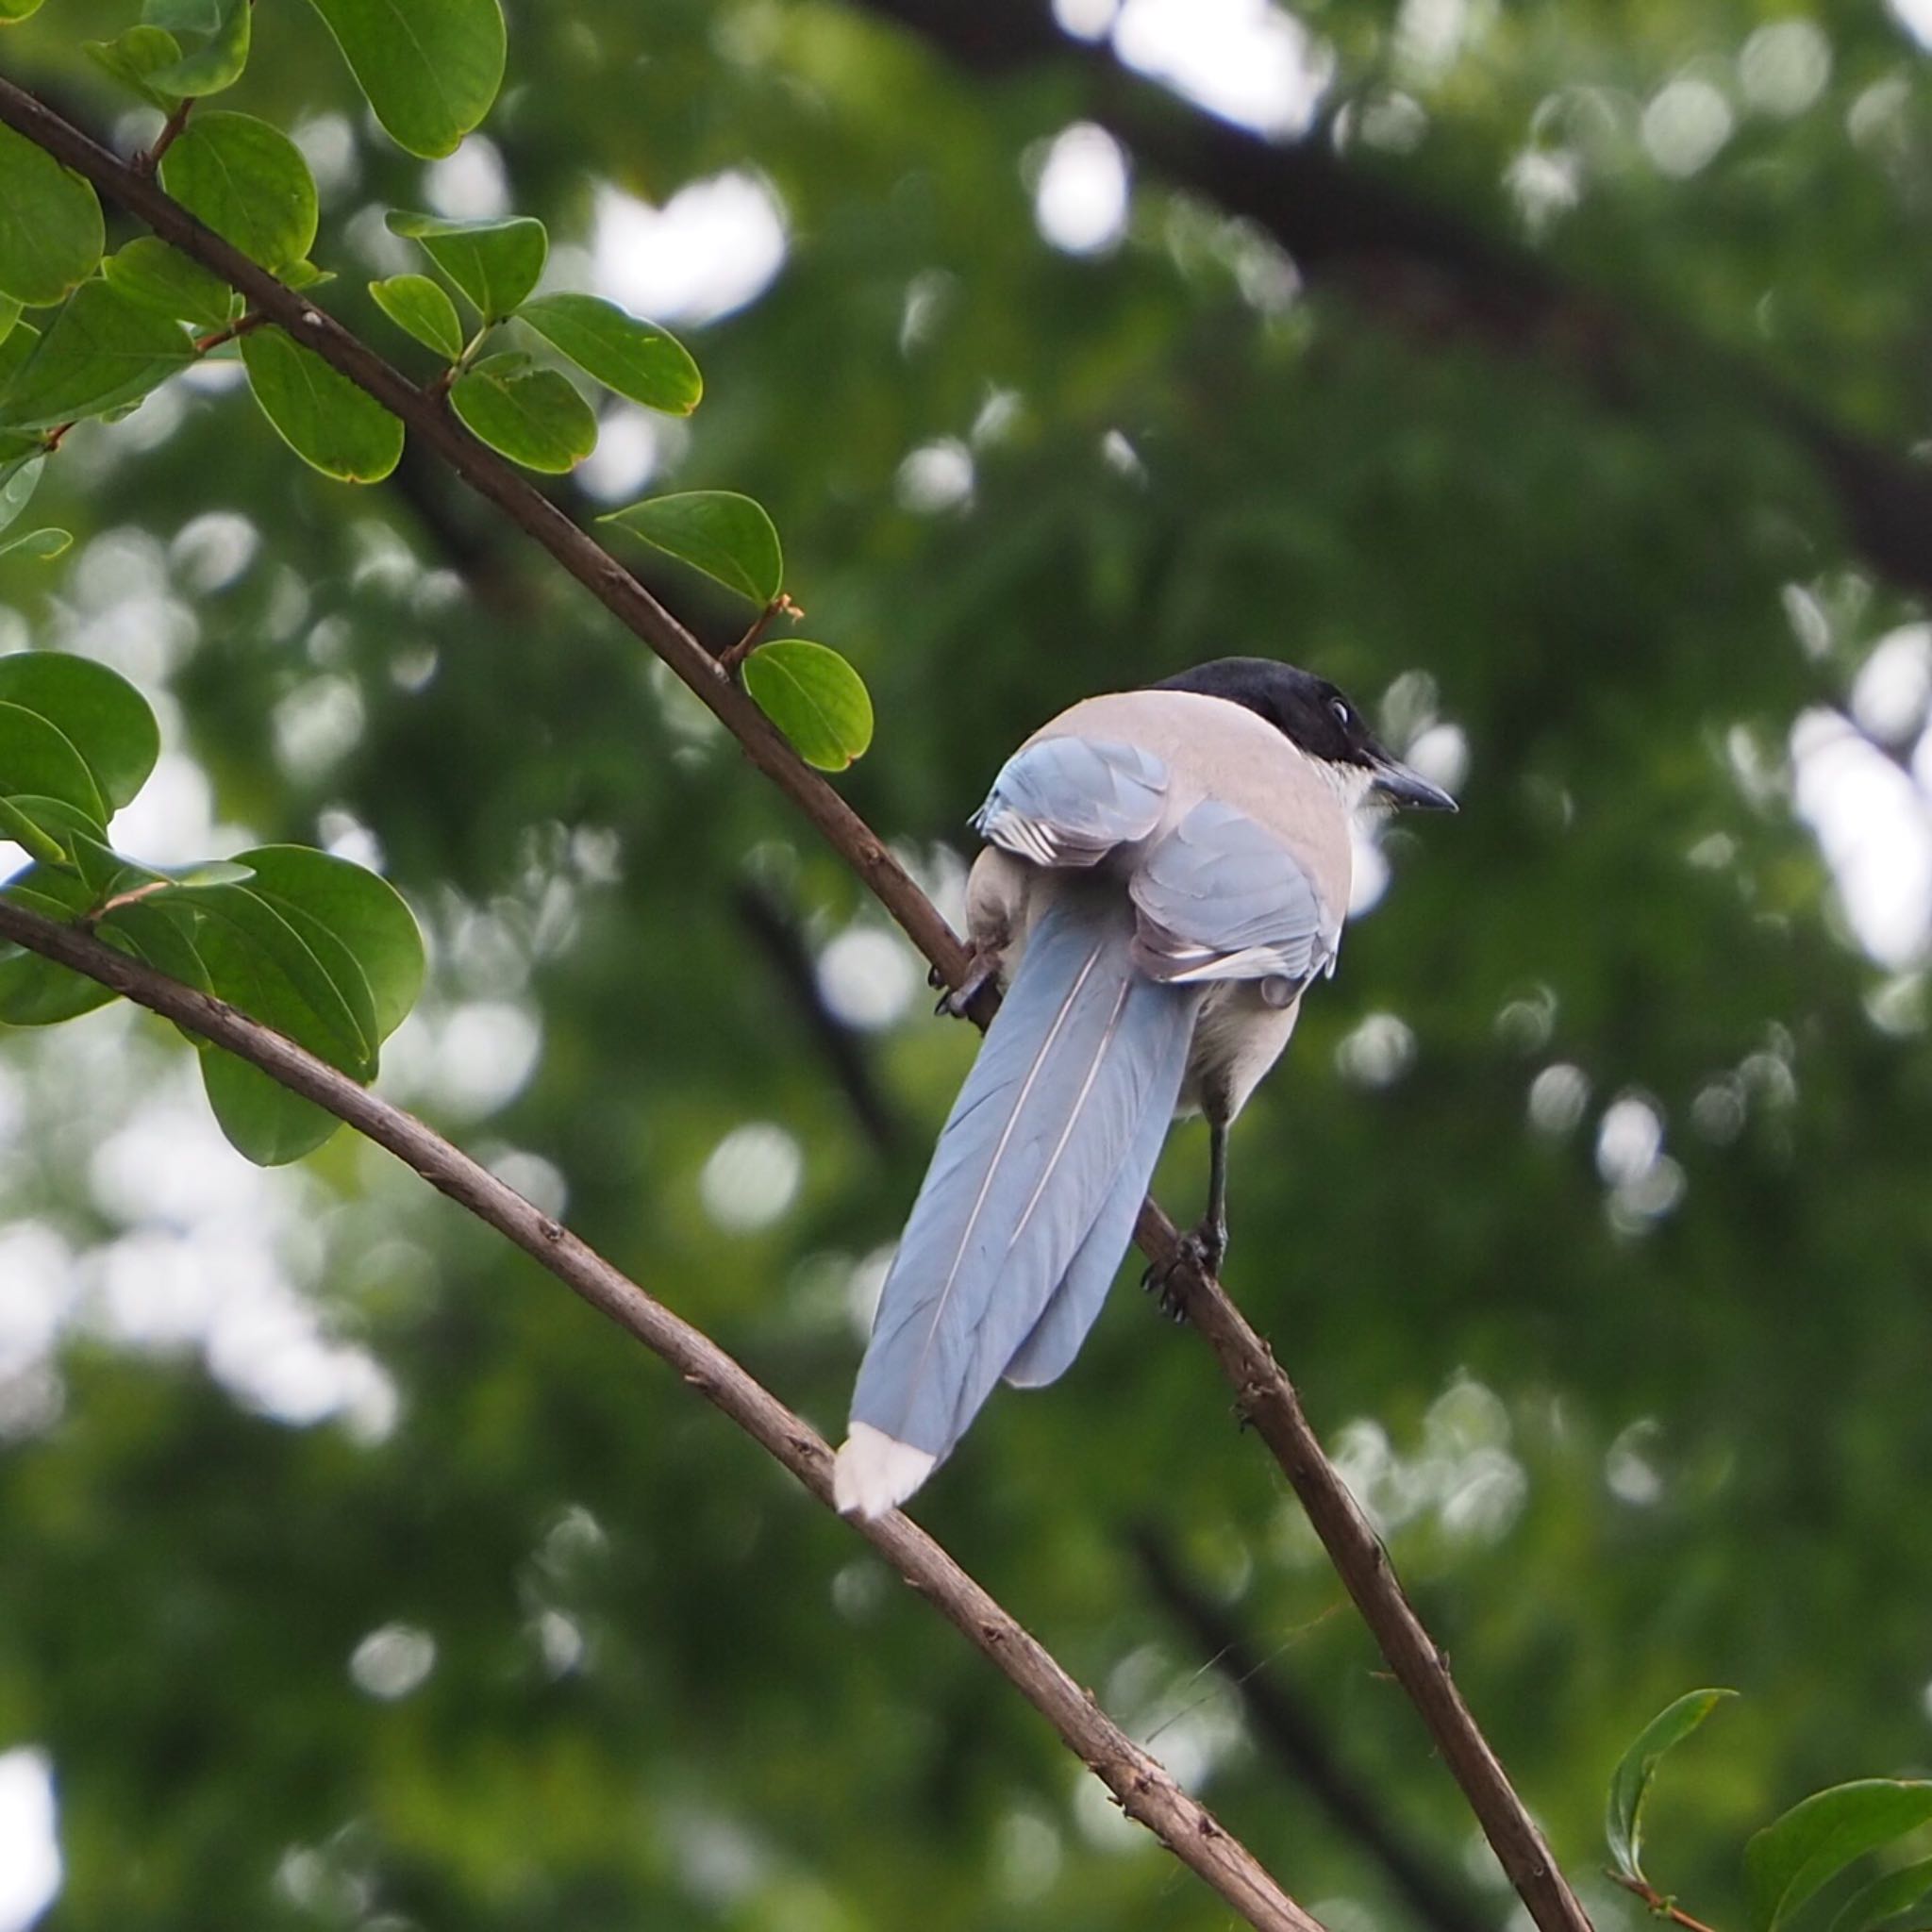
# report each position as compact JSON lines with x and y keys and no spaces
{"x":1263,"y":1391}
{"x":1291,"y":1735}
{"x":1144,"y":1788}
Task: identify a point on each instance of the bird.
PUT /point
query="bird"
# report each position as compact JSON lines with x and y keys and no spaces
{"x":1165,"y":873}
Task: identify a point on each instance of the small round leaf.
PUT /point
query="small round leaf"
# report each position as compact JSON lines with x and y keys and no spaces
{"x":494,"y":263}
{"x":533,"y":416}
{"x":422,"y":308}
{"x":320,"y":415}
{"x":100,"y":351}
{"x":50,"y":233}
{"x":814,"y":697}
{"x":105,"y":720}
{"x":248,"y":182}
{"x":430,"y":68}
{"x":148,"y":271}
{"x":637,"y":360}
{"x":1789,"y":1860}
{"x":727,"y":536}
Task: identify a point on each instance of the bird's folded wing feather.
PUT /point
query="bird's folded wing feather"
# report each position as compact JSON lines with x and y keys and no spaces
{"x":1071,"y":801}
{"x":1222,"y":898}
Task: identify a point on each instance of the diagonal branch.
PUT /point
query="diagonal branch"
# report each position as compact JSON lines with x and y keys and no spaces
{"x":1295,"y":1739}
{"x":1144,"y":1789}
{"x":1263,"y":1391}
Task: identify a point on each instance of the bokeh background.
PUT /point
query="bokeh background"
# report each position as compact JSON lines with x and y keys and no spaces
{"x":1554,"y":378}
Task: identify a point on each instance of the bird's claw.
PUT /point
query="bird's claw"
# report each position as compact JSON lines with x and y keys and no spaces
{"x":956,"y":1004}
{"x":1199,"y":1252}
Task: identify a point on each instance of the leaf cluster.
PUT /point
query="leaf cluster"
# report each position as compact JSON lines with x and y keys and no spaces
{"x":320,"y":949}
{"x":1794,"y":1858}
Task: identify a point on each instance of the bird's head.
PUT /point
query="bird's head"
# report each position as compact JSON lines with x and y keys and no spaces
{"x":1319,"y":720}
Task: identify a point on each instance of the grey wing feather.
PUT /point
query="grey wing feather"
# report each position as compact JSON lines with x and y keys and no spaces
{"x":1071,"y":801}
{"x":1221,"y":898}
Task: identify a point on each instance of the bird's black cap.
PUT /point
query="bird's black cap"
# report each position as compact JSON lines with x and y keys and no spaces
{"x":1315,"y":716}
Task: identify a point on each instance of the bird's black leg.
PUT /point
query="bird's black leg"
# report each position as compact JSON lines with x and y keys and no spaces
{"x":981,"y":969}
{"x":1204,"y":1247}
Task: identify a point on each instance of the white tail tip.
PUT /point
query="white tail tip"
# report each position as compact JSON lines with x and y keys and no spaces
{"x":874,"y":1474}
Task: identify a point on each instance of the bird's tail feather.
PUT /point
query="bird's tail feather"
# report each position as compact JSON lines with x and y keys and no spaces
{"x":1048,"y":1352}
{"x":1035,"y":1157}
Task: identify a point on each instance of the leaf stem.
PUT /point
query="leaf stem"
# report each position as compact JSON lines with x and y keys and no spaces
{"x":734,"y":654}
{"x":94,"y":914}
{"x":440,"y":387}
{"x":1663,"y":1907}
{"x":147,"y":162}
{"x":246,"y":326}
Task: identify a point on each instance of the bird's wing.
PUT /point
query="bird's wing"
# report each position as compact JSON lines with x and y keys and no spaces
{"x":1219,"y":898}
{"x":1071,"y":801}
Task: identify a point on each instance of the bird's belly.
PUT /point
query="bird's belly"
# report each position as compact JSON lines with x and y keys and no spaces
{"x":1239,"y":1036}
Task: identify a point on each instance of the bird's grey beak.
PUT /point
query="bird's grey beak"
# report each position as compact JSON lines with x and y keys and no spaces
{"x":1396,"y":784}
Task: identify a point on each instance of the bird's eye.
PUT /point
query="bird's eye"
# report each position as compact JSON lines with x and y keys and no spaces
{"x":1343,"y":716}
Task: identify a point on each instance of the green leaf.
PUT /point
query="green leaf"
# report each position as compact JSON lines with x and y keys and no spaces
{"x":419,"y":307}
{"x":100,"y":351}
{"x":259,"y":964}
{"x":26,"y":832}
{"x":216,"y":60}
{"x":23,"y":480}
{"x":61,"y":826}
{"x":12,"y":11}
{"x":263,"y":1120}
{"x":814,"y":697}
{"x":153,"y":933}
{"x":533,"y":416}
{"x":249,"y":947}
{"x":362,"y":910}
{"x":494,"y":263}
{"x":636,"y":359}
{"x":322,"y":416}
{"x":1630,"y":1781}
{"x":10,"y":314}
{"x":39,"y":545}
{"x":208,"y":872}
{"x":1788,"y":1860}
{"x":305,"y":274}
{"x":37,"y":757}
{"x":162,"y":939}
{"x":15,"y":351}
{"x":1885,"y":1897}
{"x":50,"y":224}
{"x":148,"y":271}
{"x":105,"y":720}
{"x":34,"y":992}
{"x":133,"y":56}
{"x":727,"y":536}
{"x":430,"y":68}
{"x":248,"y":182}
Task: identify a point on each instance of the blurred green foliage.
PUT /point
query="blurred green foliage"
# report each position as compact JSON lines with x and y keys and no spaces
{"x":1626,"y":1436}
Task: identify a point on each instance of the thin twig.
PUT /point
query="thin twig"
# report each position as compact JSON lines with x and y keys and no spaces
{"x":172,"y":125}
{"x":1266,"y":1396}
{"x":1663,"y":1907}
{"x":1144,"y":1788}
{"x":242,"y":326}
{"x":734,"y":654}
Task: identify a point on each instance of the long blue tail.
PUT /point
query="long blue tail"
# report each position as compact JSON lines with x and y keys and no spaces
{"x":1047,"y":1151}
